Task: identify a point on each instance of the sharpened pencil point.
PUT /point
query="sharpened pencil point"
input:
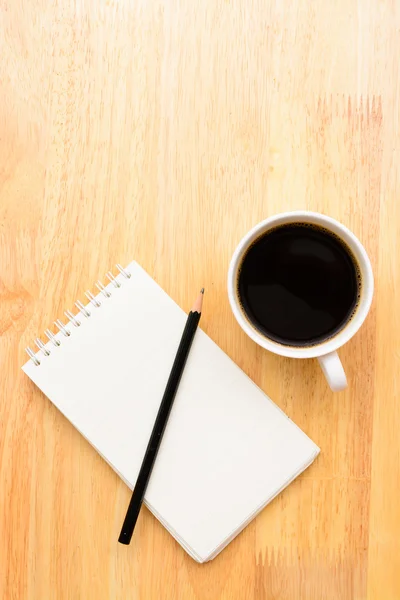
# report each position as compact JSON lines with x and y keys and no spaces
{"x":198,"y":302}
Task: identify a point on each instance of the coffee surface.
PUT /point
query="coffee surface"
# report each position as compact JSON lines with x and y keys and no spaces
{"x":298,"y":284}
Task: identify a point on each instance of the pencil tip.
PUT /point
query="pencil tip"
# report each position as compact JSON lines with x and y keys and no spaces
{"x":198,"y":303}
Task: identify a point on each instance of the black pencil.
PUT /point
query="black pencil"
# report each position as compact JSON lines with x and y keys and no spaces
{"x":161,"y":421}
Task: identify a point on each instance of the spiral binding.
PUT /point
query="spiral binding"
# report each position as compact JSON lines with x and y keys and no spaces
{"x":73,"y":320}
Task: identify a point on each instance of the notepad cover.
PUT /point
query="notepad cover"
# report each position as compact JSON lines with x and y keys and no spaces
{"x":227,"y":450}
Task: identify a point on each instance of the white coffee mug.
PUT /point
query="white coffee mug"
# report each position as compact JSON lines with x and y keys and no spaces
{"x":326,"y":351}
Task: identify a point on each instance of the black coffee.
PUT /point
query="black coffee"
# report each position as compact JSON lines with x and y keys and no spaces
{"x":298,"y":284}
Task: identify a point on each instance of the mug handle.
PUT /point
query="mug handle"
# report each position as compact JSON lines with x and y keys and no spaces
{"x":333,"y":370}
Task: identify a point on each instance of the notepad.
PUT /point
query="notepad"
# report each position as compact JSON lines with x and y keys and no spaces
{"x":227,"y":451}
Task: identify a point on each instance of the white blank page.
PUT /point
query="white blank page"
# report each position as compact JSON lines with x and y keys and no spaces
{"x":227,"y":449}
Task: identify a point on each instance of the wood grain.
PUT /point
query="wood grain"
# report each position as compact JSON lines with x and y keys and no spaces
{"x":153,"y":130}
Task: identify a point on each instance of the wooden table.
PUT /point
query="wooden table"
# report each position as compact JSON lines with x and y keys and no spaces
{"x":162,"y":131}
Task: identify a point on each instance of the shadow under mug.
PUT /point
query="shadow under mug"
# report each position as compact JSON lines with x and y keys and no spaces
{"x":325,"y":351}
